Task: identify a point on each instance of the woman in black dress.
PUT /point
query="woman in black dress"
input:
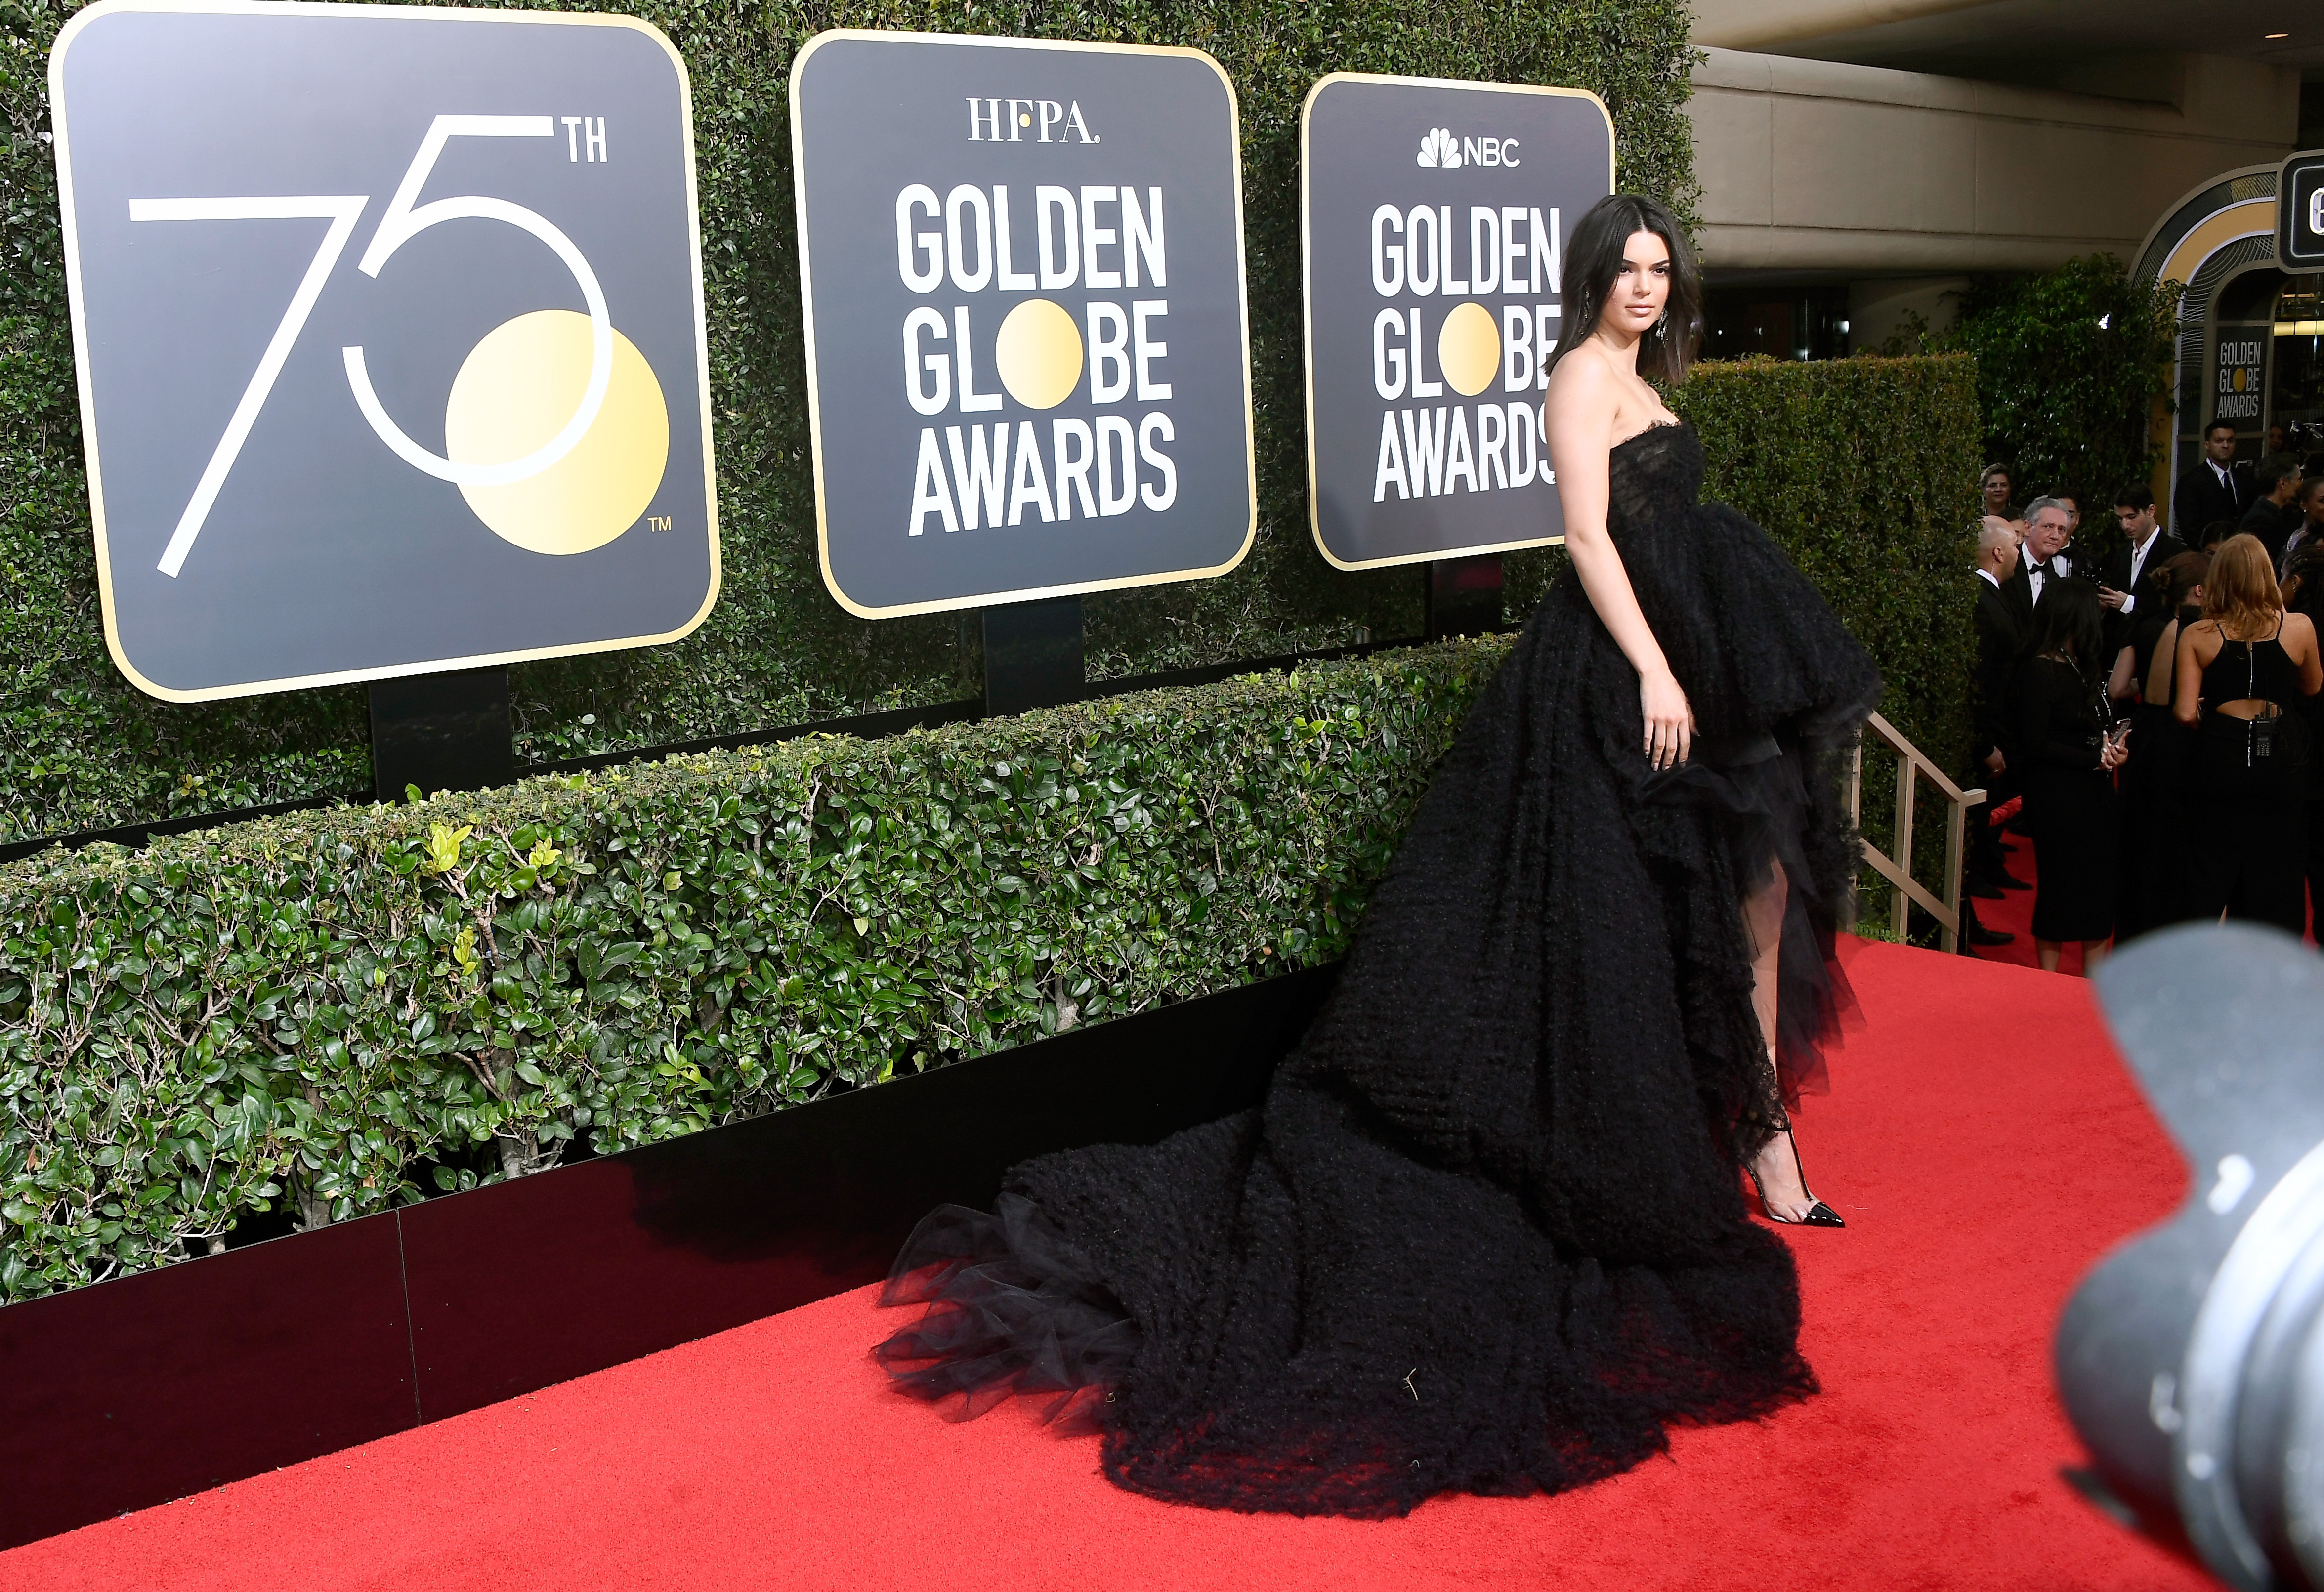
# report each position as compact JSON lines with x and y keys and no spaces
{"x":2240,"y":667}
{"x":2067,"y":764}
{"x":2153,"y":870}
{"x":2303,"y":593}
{"x":1486,"y":1233}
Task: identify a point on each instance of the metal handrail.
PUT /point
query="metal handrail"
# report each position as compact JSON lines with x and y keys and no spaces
{"x":1911,"y":764}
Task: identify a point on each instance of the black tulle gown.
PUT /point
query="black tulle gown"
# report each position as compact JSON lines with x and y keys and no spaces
{"x":1486,"y":1233}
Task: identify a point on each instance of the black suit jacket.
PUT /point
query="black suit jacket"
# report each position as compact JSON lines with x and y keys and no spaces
{"x":2272,"y":525}
{"x":1997,"y":637}
{"x":2200,"y":499}
{"x":2115,"y":573}
{"x":2017,"y":592}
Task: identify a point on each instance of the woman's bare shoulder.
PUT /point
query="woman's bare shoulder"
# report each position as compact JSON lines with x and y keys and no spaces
{"x":1582,"y":384}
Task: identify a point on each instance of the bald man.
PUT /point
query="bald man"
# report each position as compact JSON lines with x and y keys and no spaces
{"x":1998,"y":638}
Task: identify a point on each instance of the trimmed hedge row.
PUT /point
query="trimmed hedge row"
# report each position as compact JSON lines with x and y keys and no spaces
{"x":80,"y":748}
{"x":342,"y":1010}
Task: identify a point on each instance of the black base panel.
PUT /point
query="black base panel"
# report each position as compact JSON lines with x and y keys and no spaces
{"x":1464,"y":596}
{"x":447,"y":732}
{"x":128,"y":1394}
{"x":1033,"y":656}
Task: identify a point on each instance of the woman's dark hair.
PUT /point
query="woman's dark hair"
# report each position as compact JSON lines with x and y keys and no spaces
{"x":2066,"y":622}
{"x":2176,"y":577}
{"x":2303,"y":581}
{"x":1593,"y":265}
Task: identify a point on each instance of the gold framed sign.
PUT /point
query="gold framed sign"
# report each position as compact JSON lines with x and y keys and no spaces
{"x":1029,"y":365}
{"x":1433,"y":218}
{"x":390,"y":329}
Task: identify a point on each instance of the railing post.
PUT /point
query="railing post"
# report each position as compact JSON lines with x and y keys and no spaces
{"x":1901,"y":909}
{"x":1956,"y":823}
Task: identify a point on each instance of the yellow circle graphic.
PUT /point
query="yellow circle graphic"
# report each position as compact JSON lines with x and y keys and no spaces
{"x":1469,"y":349}
{"x":1038,"y":354}
{"x":516,"y":389}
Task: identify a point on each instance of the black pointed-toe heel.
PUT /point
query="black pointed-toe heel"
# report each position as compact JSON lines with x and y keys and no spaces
{"x":1819,"y":1214}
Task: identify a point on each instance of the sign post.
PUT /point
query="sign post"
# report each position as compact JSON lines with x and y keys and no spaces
{"x":1432,"y":215}
{"x":1028,"y":353}
{"x":392,"y":350}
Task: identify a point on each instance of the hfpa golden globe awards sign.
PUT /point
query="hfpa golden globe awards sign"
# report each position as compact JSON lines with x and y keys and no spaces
{"x":1027,"y":353}
{"x":1435,"y":215}
{"x":391,"y":337}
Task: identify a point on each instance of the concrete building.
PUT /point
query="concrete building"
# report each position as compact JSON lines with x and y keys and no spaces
{"x":1860,"y":157}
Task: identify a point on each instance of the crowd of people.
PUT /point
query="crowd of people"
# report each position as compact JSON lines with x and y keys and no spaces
{"x":2153,"y":713}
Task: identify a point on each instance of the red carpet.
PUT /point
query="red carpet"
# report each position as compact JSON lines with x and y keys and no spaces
{"x":1983,"y":1141}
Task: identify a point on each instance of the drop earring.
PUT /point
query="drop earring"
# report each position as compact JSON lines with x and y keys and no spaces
{"x":1662,"y":322}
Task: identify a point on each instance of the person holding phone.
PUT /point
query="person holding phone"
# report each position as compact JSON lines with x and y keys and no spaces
{"x":2147,"y":545}
{"x":2067,"y":754}
{"x":2155,"y":822}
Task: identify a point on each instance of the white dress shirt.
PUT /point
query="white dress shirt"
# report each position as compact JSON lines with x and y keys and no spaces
{"x":2137,"y":563}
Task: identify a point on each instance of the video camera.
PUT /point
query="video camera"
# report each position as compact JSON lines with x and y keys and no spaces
{"x":2192,"y":1360}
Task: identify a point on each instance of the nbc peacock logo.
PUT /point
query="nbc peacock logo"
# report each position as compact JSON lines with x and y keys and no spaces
{"x":1440,"y":151}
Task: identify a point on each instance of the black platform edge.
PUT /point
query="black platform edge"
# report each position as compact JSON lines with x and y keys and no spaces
{"x":128,"y":1394}
{"x":863,"y":726}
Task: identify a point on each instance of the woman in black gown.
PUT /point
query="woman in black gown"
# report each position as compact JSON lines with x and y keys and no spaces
{"x":1486,"y":1233}
{"x":2243,"y":670}
{"x":2066,"y":762}
{"x":2151,"y":872}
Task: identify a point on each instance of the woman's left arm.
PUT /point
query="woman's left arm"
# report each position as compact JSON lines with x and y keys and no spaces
{"x":2312,"y":664}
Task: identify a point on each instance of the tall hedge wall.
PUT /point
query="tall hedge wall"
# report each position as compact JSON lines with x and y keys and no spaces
{"x":344,"y":1009}
{"x":80,"y":748}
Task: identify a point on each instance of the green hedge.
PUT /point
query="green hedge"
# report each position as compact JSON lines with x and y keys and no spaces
{"x":1866,"y":470}
{"x":80,"y":748}
{"x":345,"y":1009}
{"x":348,"y":1008}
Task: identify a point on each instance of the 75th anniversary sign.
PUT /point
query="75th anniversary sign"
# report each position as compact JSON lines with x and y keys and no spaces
{"x":1435,"y":215}
{"x":1027,"y":357}
{"x":389,"y":333}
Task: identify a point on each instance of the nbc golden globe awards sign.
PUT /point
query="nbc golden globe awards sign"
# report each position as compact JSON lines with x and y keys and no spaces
{"x":1028,"y":359}
{"x":391,"y":338}
{"x":1435,"y":215}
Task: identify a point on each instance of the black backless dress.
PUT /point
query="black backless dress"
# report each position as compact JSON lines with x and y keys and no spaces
{"x":1486,"y":1233}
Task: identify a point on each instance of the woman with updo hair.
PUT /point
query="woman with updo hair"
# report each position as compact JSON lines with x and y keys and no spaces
{"x":2239,"y":672}
{"x":2066,"y":761}
{"x":2153,"y":871}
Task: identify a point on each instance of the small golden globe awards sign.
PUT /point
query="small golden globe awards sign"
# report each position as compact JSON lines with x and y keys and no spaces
{"x":1028,"y":353}
{"x":391,"y":339}
{"x":1434,"y":216}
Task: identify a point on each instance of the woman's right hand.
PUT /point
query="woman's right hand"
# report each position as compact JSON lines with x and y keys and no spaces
{"x":1669,"y":720}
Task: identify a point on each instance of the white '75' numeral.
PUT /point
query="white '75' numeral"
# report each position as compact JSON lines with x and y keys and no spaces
{"x":343,"y":211}
{"x":403,"y":220}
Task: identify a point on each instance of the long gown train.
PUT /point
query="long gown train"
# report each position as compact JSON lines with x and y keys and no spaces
{"x":1487,"y":1232}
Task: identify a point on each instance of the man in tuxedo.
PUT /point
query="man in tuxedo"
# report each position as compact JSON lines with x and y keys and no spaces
{"x":1997,"y":636}
{"x":2214,"y":489}
{"x":2039,"y":561}
{"x":2274,"y":514}
{"x":2146,"y":547}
